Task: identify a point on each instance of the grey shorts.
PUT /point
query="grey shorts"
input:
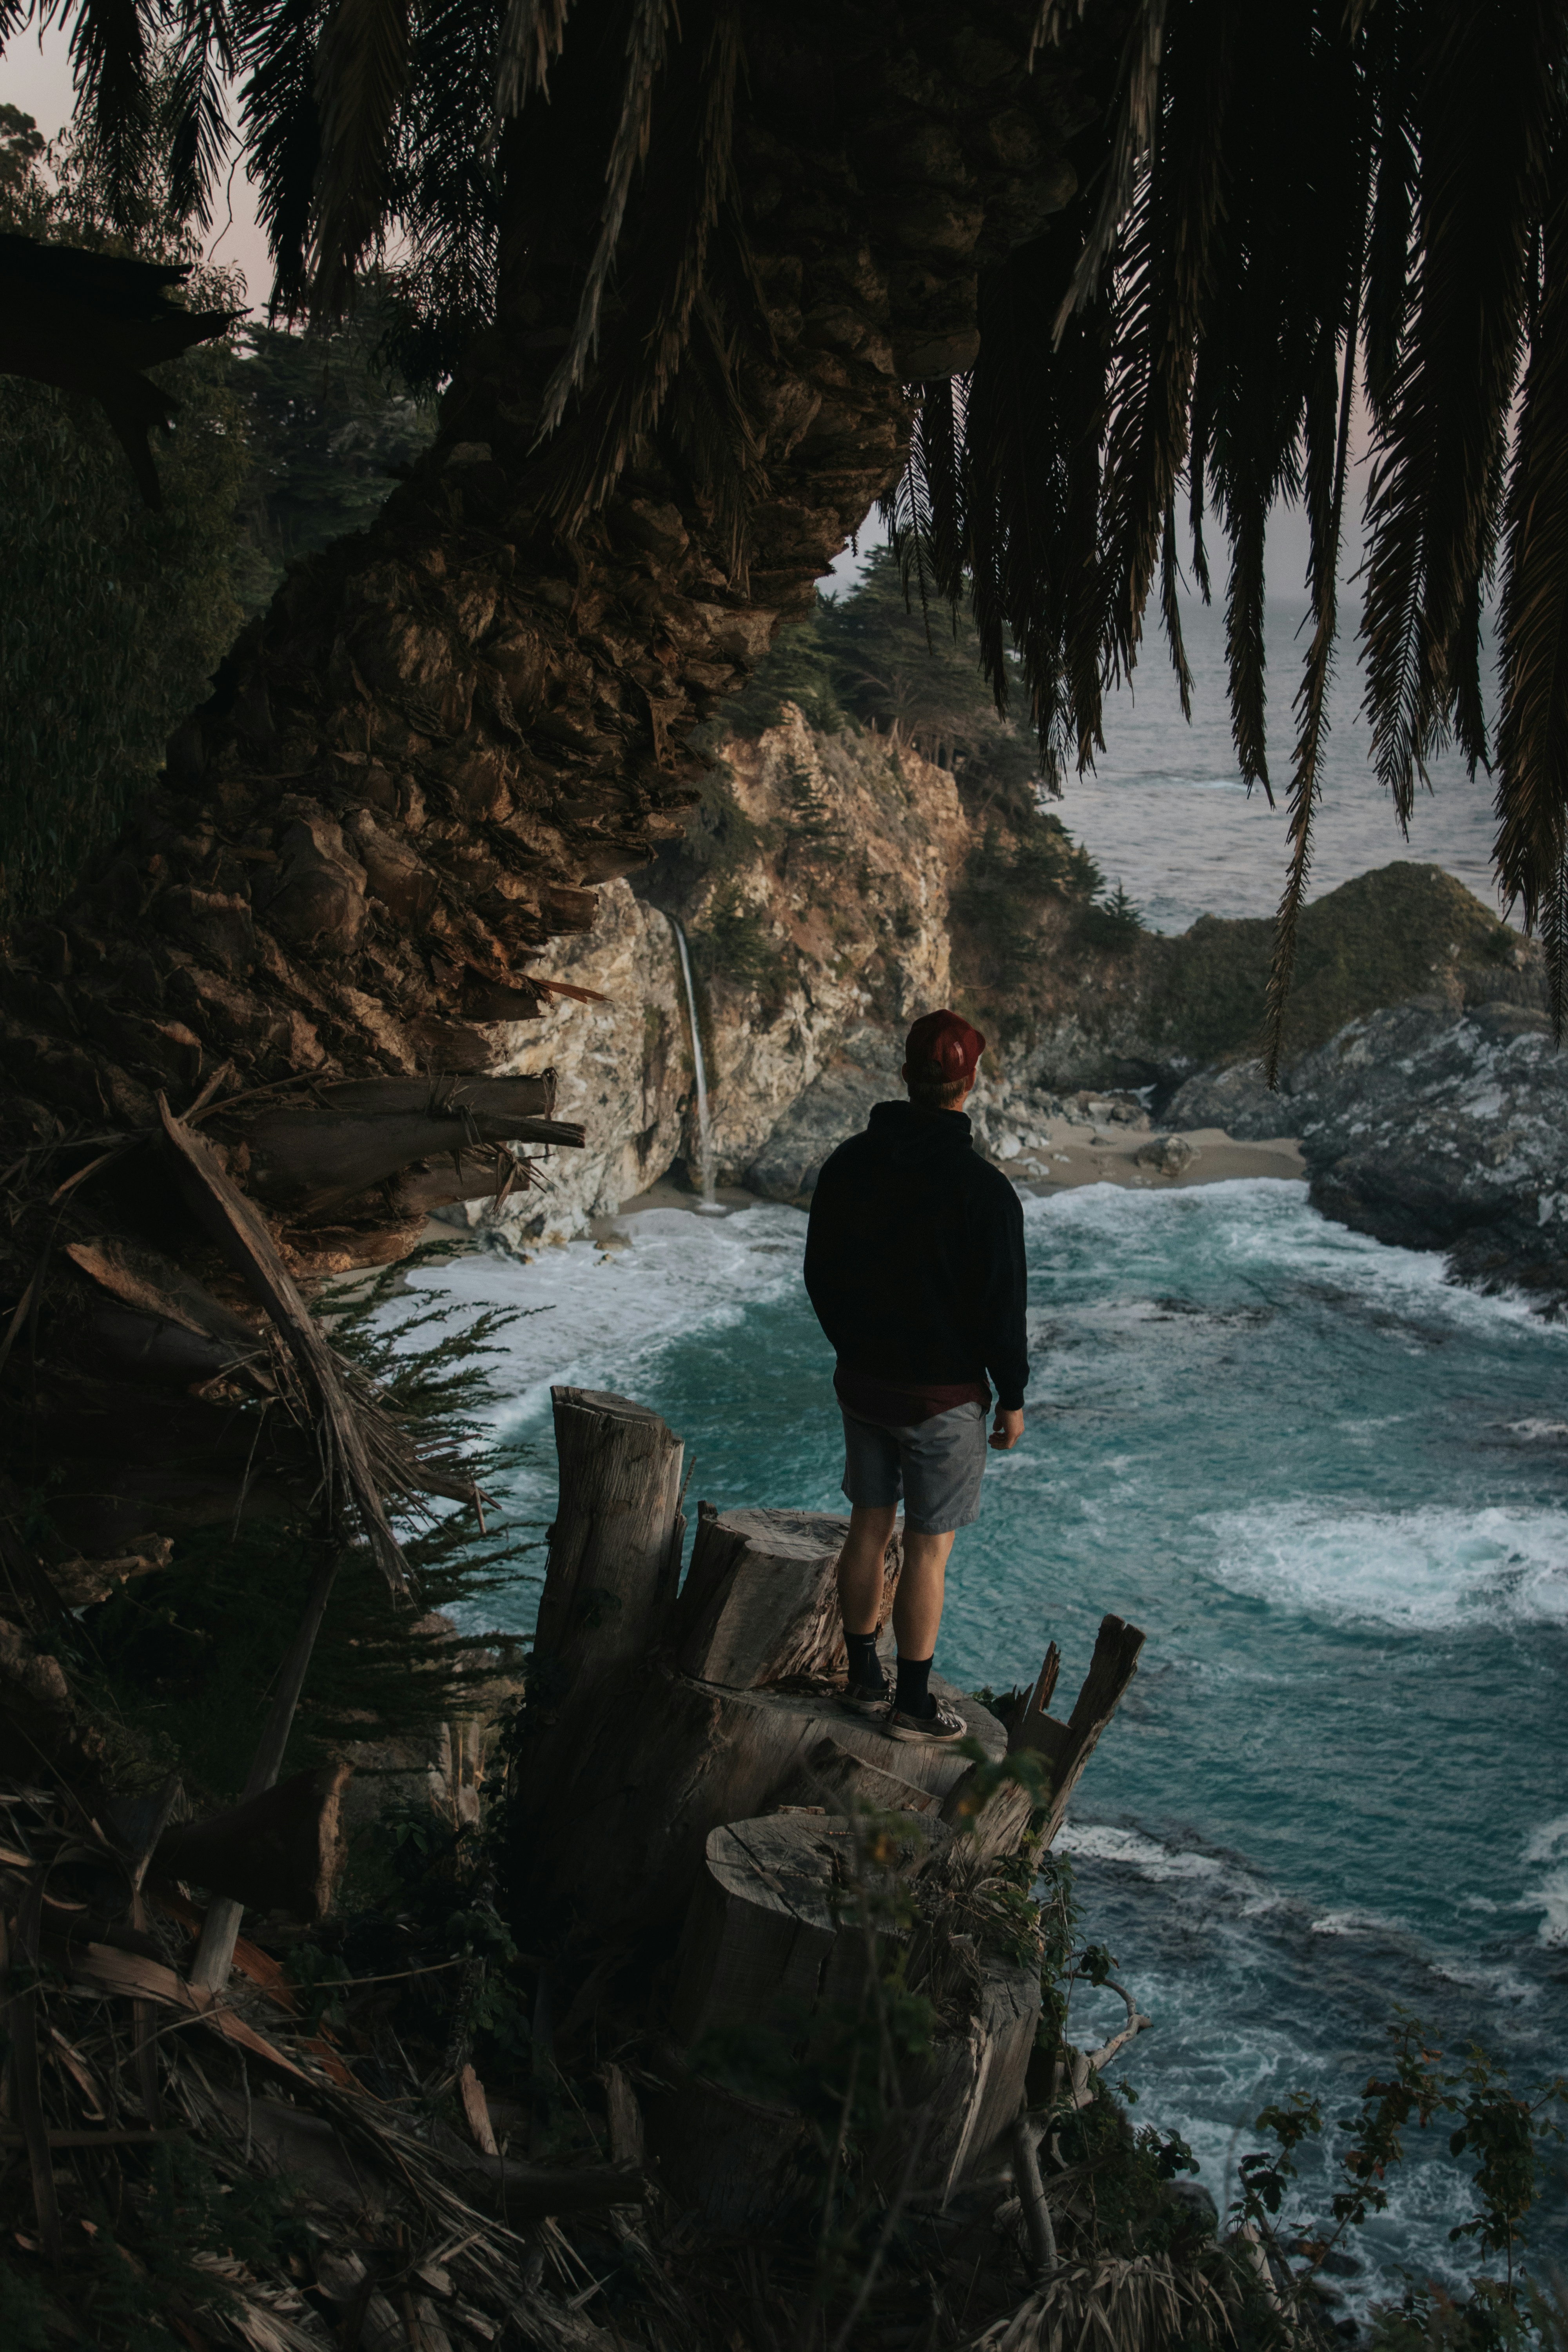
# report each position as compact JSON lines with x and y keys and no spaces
{"x":935,"y":1465}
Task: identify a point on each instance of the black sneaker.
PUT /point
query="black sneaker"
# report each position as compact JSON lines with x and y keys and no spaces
{"x":943,"y":1727}
{"x":867,"y":1698}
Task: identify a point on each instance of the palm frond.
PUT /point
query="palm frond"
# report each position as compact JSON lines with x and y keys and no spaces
{"x":1162,"y":293}
{"x":445,"y":187}
{"x":362,"y":77}
{"x":673,"y":276}
{"x":1327,"y":511}
{"x":646,"y":42}
{"x":1136,"y":108}
{"x":1532,"y":731}
{"x":532,"y":38}
{"x":278,"y":42}
{"x":1390,"y":49}
{"x":1486,"y":104}
{"x":111,"y":46}
{"x":199,"y":132}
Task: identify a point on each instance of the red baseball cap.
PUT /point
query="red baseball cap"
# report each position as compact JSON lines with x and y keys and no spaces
{"x":941,"y":1049}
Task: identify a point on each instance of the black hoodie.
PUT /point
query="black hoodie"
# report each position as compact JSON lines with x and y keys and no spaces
{"x":914,"y":1256}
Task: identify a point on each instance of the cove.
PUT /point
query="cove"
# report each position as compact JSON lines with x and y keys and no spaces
{"x":1329,"y":1485}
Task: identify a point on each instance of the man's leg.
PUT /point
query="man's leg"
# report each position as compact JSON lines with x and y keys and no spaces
{"x":860,"y":1565}
{"x":922,"y":1584}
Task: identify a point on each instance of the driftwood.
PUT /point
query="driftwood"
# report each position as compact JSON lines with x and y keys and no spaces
{"x":998,"y":1823}
{"x":281,"y":1851}
{"x":308,"y":1163}
{"x":761,"y":1601}
{"x":615,"y":1548}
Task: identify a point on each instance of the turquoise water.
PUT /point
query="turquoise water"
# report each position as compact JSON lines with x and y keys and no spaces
{"x":1331,"y":1488}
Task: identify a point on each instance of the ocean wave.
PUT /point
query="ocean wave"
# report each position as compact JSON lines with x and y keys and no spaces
{"x":1164,"y":1863}
{"x":1419,"y":1570}
{"x":591,"y":1314}
{"x":1259,"y":1233}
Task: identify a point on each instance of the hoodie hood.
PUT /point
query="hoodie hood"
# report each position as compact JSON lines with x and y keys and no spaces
{"x":910,"y":1138}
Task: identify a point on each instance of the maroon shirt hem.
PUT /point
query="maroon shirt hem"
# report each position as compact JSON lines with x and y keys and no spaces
{"x":897,"y":1405}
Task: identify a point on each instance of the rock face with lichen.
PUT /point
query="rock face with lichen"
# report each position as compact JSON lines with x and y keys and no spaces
{"x":1431,"y":1125}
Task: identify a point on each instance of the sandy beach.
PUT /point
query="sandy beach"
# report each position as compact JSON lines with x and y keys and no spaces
{"x":1063,"y":1153}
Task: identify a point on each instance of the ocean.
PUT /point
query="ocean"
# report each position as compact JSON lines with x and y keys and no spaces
{"x":1165,"y":813}
{"x":1331,"y":1488}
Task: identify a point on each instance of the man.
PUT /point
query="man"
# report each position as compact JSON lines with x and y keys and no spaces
{"x":914,"y":1261}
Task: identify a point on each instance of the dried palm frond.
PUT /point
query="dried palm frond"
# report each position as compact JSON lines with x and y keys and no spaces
{"x":532,"y":37}
{"x":1122,"y":2305}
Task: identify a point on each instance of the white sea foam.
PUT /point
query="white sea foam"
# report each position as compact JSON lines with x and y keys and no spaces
{"x":1267,"y":1233}
{"x":1166,"y":1865}
{"x":1423,"y":1570}
{"x":1546,"y":1848}
{"x":592,"y":1315}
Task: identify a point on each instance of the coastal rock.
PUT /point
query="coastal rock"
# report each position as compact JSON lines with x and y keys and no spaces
{"x":1446,"y":1131}
{"x":1431,"y":1126}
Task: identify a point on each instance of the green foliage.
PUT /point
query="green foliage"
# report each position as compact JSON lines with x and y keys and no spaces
{"x":1008,"y":877}
{"x":112,"y":618}
{"x":183,"y":1660}
{"x":1114,"y":923}
{"x":1501,"y":2129}
{"x":736,"y":943}
{"x":868,"y":659}
{"x":131,"y":2275}
{"x":330,"y":422}
{"x":1375,"y":940}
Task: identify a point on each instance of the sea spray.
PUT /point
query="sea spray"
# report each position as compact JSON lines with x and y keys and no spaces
{"x":708,"y":1205}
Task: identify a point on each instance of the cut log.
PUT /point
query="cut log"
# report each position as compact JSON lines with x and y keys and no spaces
{"x":838,"y":1781}
{"x":282,"y":1851}
{"x":615,"y":1548}
{"x":619,"y":1821}
{"x":773,"y":1927}
{"x":309,"y":1162}
{"x":761,"y":1598}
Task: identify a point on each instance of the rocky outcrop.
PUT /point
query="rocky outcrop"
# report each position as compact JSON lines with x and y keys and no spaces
{"x":818,"y":907}
{"x":1432,"y":1126}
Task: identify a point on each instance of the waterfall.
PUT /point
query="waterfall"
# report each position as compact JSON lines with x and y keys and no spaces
{"x":708,"y":1205}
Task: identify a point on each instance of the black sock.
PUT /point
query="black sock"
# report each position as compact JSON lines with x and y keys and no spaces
{"x":911,"y":1697}
{"x":865,"y":1666}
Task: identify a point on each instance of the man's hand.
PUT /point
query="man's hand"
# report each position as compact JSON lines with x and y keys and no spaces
{"x":1006,"y":1429}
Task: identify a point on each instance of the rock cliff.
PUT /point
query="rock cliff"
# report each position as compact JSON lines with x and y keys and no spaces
{"x":832,"y":885}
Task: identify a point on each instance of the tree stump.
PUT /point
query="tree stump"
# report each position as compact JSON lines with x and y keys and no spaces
{"x":619,"y":1800}
{"x":759,"y":1603}
{"x":615,"y":1548}
{"x":773,"y":1928}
